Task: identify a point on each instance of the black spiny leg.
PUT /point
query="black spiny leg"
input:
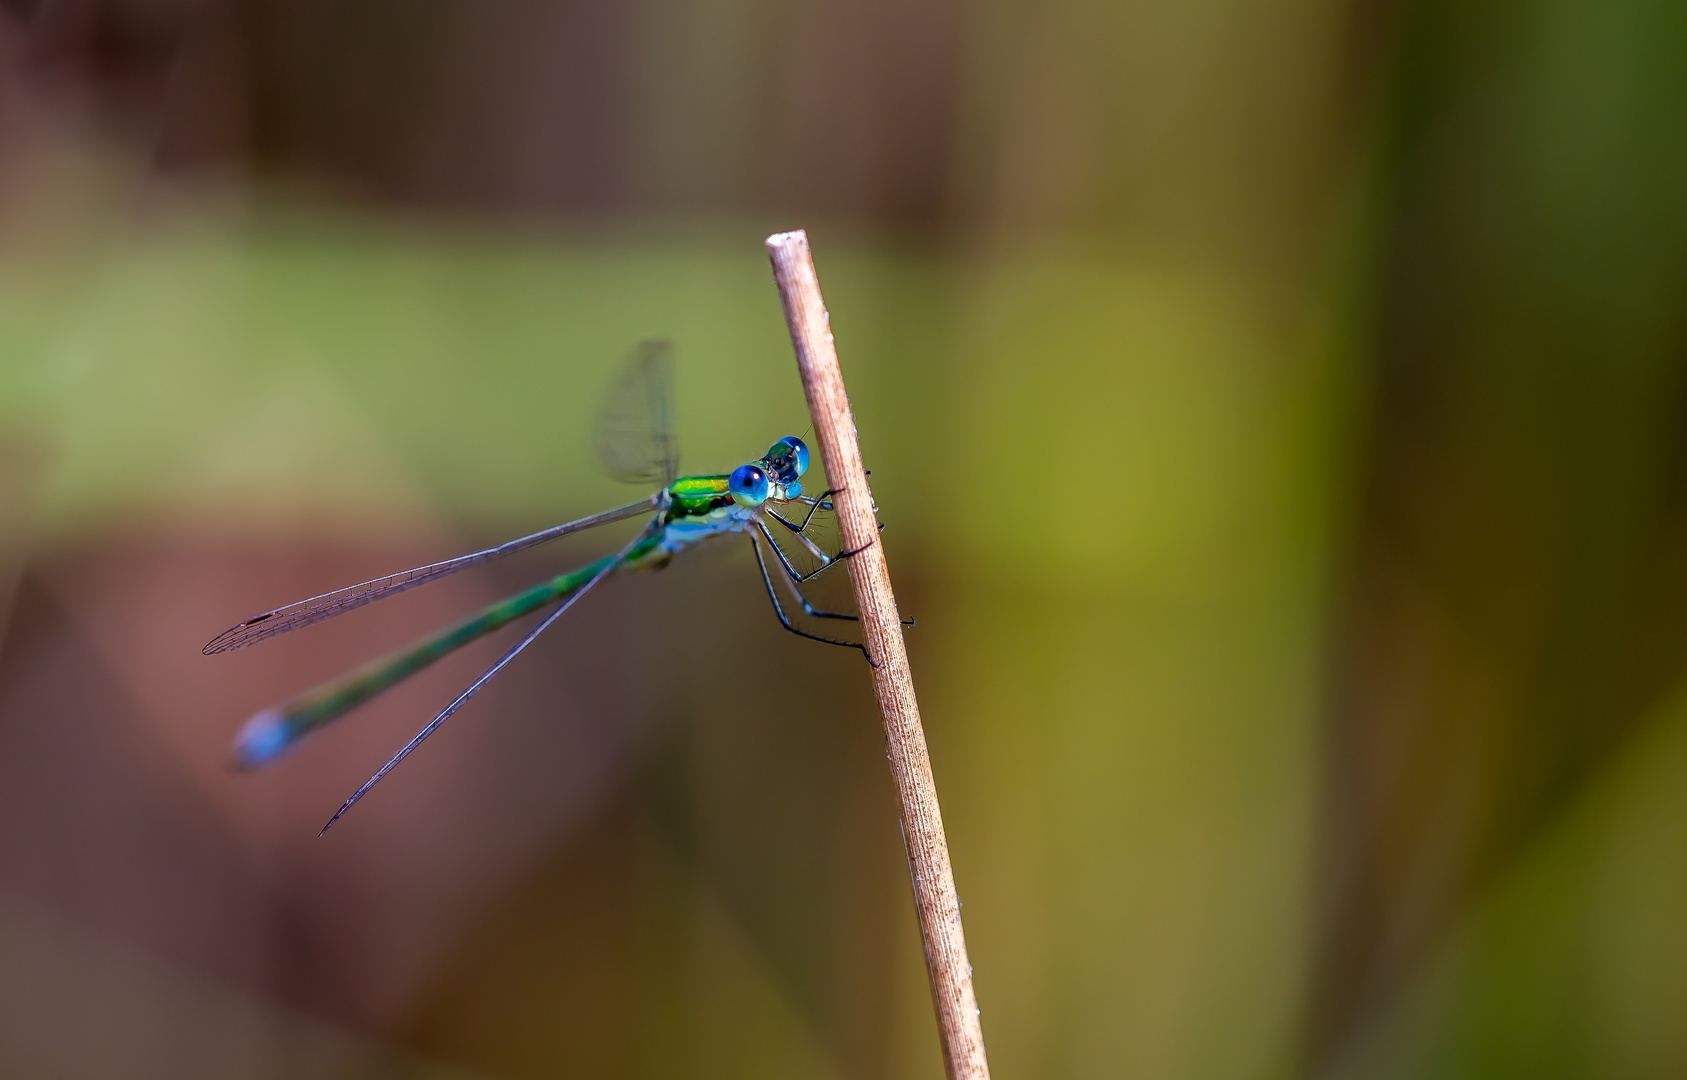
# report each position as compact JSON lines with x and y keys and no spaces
{"x":785,"y":620}
{"x":813,"y":505}
{"x":827,"y":561}
{"x":813,"y":549}
{"x":820,"y":502}
{"x":808,"y":608}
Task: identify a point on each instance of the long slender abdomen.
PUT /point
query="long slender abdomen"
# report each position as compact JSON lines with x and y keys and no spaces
{"x":273,"y":732}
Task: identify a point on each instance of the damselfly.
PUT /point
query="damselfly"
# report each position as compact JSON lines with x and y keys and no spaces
{"x":635,"y":443}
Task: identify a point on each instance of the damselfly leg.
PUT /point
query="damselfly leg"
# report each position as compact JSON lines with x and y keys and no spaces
{"x":798,"y":578}
{"x":785,"y":619}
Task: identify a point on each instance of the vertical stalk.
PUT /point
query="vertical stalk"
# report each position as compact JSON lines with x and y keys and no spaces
{"x":922,"y":823}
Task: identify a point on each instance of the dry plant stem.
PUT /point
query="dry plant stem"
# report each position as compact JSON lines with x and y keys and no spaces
{"x":922,"y":823}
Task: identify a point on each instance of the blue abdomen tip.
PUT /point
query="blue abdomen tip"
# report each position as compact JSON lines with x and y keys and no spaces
{"x":262,"y":740}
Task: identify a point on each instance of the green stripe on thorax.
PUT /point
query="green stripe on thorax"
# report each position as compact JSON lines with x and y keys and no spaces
{"x":692,"y":495}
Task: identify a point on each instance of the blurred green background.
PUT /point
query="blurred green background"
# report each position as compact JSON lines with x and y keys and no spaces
{"x":1279,"y":414}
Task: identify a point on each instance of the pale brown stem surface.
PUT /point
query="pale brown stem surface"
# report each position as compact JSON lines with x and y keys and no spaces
{"x":922,"y":823}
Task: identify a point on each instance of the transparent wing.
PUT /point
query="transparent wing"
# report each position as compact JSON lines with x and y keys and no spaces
{"x":635,"y":440}
{"x":317,"y":608}
{"x":608,"y":567}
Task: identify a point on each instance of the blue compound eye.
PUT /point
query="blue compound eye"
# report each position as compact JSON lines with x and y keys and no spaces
{"x":798,"y":451}
{"x":789,"y":458}
{"x":748,"y":485}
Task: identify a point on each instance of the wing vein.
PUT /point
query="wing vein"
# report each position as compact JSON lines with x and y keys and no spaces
{"x":433,"y":725}
{"x":317,"y":608}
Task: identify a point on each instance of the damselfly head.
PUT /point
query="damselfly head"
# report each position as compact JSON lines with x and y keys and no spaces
{"x":785,"y":462}
{"x":787,"y":459}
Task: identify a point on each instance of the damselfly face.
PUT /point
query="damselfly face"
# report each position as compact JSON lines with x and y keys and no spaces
{"x":785,"y":462}
{"x":773,"y":477}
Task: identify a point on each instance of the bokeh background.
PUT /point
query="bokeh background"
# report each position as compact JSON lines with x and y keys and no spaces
{"x":1279,"y":408}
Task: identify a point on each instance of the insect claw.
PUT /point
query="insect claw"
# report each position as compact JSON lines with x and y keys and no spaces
{"x":853,"y":551}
